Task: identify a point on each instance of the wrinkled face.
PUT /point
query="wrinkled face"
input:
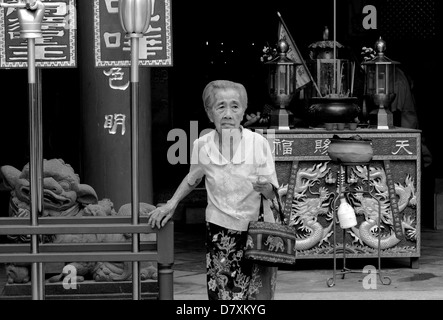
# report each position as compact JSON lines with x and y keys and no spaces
{"x":227,"y":111}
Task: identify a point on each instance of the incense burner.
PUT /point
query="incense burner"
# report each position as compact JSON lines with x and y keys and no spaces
{"x":350,"y":150}
{"x":334,"y":110}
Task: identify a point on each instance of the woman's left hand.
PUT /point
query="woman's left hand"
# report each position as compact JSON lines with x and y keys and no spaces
{"x":162,"y":214}
{"x":264,"y":187}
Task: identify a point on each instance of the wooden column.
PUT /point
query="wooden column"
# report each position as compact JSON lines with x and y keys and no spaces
{"x":106,"y":122}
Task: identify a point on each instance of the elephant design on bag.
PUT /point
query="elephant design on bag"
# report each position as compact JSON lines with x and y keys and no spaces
{"x":275,"y":243}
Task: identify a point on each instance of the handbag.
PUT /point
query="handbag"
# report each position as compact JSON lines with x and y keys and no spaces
{"x":271,"y":243}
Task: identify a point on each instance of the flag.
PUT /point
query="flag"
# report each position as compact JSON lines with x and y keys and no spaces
{"x":303,"y":75}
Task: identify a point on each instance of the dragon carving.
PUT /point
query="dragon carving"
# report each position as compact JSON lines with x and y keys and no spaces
{"x":310,"y":202}
{"x":367,"y":232}
{"x":305,"y":210}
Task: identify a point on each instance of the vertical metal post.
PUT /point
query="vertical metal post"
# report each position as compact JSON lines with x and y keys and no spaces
{"x":165,"y":248}
{"x":334,"y":85}
{"x":39,"y":173}
{"x":136,"y":293}
{"x":35,"y":165}
{"x":344,"y":173}
{"x":135,"y":17}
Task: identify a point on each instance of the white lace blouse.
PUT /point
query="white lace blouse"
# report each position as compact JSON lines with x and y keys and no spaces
{"x":232,"y":202}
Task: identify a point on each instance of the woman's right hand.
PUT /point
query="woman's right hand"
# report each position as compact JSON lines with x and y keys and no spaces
{"x":161,"y":215}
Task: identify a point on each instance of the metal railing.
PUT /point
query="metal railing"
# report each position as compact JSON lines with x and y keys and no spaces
{"x":31,"y":13}
{"x":161,"y":250}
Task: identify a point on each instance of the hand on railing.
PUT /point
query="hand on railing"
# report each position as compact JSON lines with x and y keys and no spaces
{"x":162,"y":214}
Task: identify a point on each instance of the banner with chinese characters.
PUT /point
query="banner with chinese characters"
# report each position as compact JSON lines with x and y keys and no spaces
{"x":113,"y":48}
{"x":57,"y":47}
{"x":315,"y":146}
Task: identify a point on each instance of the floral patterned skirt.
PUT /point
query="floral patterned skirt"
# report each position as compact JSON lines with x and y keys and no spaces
{"x":229,"y":275}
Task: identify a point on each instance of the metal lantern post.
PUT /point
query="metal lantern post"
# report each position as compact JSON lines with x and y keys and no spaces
{"x":135,"y":17}
{"x":281,"y":85}
{"x":30,"y":16}
{"x":380,"y":81}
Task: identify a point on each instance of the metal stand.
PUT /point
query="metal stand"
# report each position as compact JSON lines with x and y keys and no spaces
{"x":342,"y":188}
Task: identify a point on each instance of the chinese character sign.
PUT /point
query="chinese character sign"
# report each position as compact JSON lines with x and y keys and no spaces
{"x":116,"y":78}
{"x":113,"y":47}
{"x":113,"y":121}
{"x":402,"y":145}
{"x":283,"y":147}
{"x":315,"y":146}
{"x":57,"y":46}
{"x":322,"y":145}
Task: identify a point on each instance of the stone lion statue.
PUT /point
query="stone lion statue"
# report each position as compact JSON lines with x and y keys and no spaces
{"x":65,"y":196}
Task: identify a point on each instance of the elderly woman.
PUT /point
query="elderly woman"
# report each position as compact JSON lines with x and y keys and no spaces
{"x":238,"y":167}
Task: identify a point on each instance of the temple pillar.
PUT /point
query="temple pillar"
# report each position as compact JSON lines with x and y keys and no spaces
{"x":106,"y":132}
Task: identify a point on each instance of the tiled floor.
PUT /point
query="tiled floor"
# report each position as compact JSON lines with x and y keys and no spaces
{"x":307,"y":280}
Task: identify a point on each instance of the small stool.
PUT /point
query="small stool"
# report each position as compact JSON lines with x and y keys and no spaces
{"x":343,"y":188}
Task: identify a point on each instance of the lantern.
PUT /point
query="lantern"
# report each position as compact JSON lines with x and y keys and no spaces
{"x":135,"y":16}
{"x":379,"y":82}
{"x":281,"y":85}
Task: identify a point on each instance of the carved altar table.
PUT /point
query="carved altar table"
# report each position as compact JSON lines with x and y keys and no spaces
{"x":308,"y":185}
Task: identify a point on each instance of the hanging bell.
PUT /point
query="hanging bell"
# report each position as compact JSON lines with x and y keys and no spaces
{"x":346,"y":214}
{"x":135,"y":16}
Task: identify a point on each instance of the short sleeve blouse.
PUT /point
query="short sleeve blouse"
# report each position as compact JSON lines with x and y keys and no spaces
{"x":232,"y":201}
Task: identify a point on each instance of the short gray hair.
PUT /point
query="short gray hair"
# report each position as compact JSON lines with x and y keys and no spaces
{"x":211,"y":88}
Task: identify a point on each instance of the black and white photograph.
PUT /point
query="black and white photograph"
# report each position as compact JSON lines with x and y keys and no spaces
{"x":206,"y":150}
